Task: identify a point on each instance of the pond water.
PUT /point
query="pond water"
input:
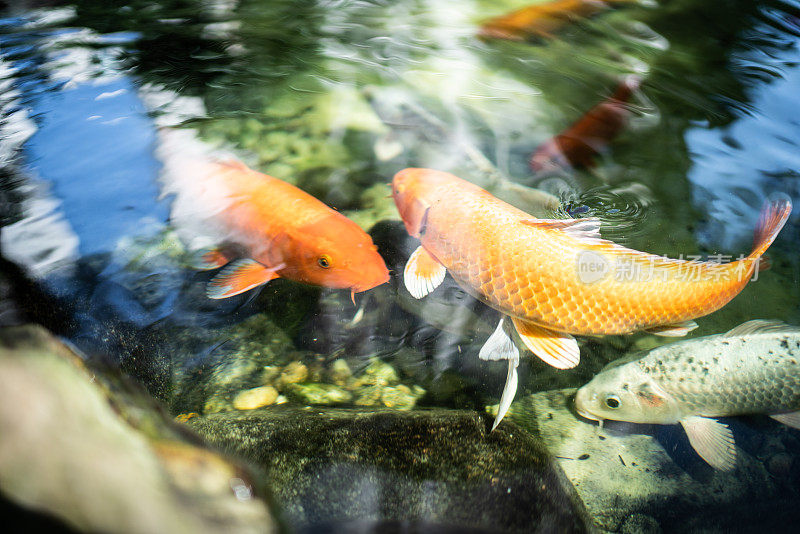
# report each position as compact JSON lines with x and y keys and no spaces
{"x":105,"y":107}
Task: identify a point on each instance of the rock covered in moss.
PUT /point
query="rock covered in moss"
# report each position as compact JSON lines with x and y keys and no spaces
{"x":378,"y":373}
{"x":333,"y":466}
{"x":368,"y":396}
{"x":340,"y":373}
{"x":314,"y":383}
{"x":251,"y":354}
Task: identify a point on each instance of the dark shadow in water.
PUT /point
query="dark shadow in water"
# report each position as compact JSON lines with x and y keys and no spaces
{"x":19,"y":520}
{"x":389,"y":527}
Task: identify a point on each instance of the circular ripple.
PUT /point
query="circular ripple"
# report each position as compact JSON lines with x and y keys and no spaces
{"x":623,"y":210}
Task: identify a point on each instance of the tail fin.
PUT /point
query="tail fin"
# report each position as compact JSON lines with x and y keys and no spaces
{"x":773,"y":216}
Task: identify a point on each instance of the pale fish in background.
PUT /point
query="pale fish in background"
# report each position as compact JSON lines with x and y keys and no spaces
{"x":753,"y":369}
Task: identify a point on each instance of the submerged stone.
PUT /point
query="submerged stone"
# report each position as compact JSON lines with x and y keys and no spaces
{"x":250,"y":399}
{"x":293,"y":373}
{"x":368,"y":396}
{"x":401,"y":397}
{"x":320,"y":394}
{"x":333,"y":467}
{"x":377,"y":373}
{"x":340,"y":373}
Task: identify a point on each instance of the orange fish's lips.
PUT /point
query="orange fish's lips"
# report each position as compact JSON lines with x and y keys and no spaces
{"x":361,"y":288}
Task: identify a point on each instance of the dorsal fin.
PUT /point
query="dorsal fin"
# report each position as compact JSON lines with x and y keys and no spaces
{"x":762,"y":326}
{"x":588,"y":228}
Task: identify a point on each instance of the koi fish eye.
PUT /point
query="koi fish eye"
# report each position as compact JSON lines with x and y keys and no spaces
{"x":324,"y":261}
{"x":612,"y":401}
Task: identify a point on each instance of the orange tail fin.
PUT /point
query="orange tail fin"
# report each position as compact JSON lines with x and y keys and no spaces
{"x":773,"y":216}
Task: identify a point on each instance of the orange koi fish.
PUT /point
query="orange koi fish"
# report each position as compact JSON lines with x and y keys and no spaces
{"x":541,"y":20}
{"x":578,"y":145}
{"x":554,"y":278}
{"x":272,"y":229}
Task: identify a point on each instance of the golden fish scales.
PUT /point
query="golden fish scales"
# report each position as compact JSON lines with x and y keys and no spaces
{"x":532,"y":273}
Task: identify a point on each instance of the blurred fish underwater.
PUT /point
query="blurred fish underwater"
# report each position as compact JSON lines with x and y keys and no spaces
{"x":578,"y":145}
{"x":284,"y":232}
{"x":543,"y":19}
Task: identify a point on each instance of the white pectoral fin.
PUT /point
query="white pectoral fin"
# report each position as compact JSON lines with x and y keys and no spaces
{"x":673,"y":330}
{"x":500,"y":346}
{"x":555,"y":348}
{"x":423,"y":273}
{"x":712,"y":440}
{"x":791,"y":419}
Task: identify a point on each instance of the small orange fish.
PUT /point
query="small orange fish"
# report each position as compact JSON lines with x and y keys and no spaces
{"x":273,"y":229}
{"x":578,"y":145}
{"x":554,"y":278}
{"x":541,"y":20}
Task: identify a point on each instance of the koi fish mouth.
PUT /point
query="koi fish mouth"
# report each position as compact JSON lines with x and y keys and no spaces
{"x":360,"y":288}
{"x":579,"y":409}
{"x":587,"y":415}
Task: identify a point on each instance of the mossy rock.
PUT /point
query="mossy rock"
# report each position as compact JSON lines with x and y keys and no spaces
{"x":438,"y":466}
